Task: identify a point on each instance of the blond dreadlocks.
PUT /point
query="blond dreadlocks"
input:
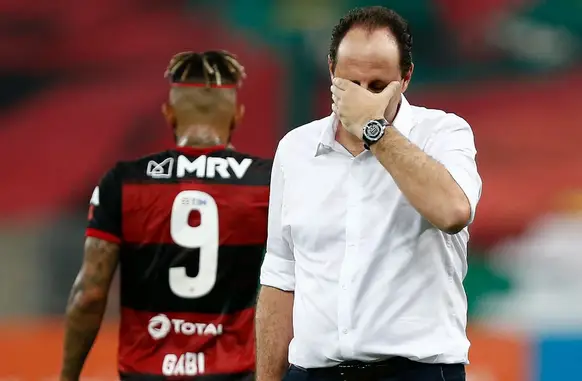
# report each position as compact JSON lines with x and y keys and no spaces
{"x":210,"y":68}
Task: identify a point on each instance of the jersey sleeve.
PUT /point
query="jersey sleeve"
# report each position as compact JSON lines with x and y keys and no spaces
{"x":454,"y":147}
{"x":105,"y":209}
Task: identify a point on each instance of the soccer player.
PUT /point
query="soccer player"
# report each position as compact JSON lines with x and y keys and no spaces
{"x":187,"y":227}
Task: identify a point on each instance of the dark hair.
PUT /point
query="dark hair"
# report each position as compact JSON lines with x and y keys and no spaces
{"x":372,"y":18}
{"x":211,"y":68}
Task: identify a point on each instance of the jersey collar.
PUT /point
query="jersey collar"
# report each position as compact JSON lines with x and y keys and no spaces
{"x":200,"y":150}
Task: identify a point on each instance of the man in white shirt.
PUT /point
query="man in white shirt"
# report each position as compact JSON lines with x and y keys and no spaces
{"x":369,"y":208}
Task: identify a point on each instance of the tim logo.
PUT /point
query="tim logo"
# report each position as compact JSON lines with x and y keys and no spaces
{"x":161,"y":170}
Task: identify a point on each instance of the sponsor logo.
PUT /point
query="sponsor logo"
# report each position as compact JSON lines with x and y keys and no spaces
{"x":160,"y":326}
{"x":201,"y":167}
{"x":161,"y":170}
{"x":187,"y":364}
{"x":210,"y":167}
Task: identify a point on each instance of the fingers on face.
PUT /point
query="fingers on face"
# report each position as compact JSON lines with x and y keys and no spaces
{"x":336,"y":96}
{"x":394,"y":86}
{"x":336,"y":90}
{"x":344,"y":84}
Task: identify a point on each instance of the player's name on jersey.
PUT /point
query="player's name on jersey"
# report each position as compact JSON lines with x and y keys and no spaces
{"x":200,"y":167}
{"x":186,"y":364}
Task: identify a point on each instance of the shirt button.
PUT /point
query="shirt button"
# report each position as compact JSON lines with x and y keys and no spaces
{"x":345,"y":331}
{"x":344,"y":287}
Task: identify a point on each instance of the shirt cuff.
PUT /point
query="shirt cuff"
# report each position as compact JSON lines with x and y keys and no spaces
{"x":278,"y":273}
{"x":469,"y":187}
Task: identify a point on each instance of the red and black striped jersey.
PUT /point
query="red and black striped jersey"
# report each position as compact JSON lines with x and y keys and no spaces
{"x":192,"y":227}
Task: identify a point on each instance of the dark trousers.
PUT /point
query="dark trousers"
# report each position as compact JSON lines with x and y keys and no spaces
{"x":397,"y":369}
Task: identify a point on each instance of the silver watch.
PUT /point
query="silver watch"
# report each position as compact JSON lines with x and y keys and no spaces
{"x":373,"y":131}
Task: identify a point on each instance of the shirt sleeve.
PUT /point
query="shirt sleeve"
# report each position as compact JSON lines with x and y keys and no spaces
{"x":453,"y":145}
{"x":278,"y":268}
{"x":105,"y":209}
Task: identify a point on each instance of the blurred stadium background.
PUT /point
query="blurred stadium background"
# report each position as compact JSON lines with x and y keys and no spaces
{"x":81,"y":86}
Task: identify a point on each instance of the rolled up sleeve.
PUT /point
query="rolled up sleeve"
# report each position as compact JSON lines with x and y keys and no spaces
{"x":278,"y":268}
{"x":453,"y":145}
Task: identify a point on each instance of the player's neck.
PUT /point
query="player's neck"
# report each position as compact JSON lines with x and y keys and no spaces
{"x":201,"y":137}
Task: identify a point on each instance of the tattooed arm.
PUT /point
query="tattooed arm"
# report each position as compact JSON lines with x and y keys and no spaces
{"x":87,"y":304}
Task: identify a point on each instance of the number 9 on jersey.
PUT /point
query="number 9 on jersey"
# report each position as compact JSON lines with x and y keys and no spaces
{"x":203,"y":237}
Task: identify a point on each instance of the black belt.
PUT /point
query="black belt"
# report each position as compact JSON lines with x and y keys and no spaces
{"x":358,"y":370}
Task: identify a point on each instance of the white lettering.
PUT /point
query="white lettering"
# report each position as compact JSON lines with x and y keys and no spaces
{"x":210,"y":330}
{"x":210,"y":167}
{"x":241,"y":168}
{"x":177,"y":323}
{"x":198,"y":166}
{"x":188,"y":364}
{"x":217,"y":165}
{"x":188,"y":328}
{"x":200,"y":328}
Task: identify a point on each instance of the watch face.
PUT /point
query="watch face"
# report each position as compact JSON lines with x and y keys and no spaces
{"x":373,"y":130}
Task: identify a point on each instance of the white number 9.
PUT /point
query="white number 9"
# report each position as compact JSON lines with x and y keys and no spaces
{"x":203,"y":237}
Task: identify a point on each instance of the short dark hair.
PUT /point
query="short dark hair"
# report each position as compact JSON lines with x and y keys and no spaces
{"x":372,"y":18}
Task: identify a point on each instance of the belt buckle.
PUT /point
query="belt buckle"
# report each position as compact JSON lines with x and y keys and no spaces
{"x":354,"y":366}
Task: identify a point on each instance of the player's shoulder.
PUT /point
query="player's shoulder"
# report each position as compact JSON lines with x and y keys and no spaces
{"x":136,"y":168}
{"x":259,"y":172}
{"x":306,"y":137}
{"x":259,"y":163}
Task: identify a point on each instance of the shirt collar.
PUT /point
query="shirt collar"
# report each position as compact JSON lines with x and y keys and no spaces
{"x":404,"y":120}
{"x":403,"y":123}
{"x":327,"y":138}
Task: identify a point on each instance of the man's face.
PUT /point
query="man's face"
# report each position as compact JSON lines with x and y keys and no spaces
{"x":369,"y":59}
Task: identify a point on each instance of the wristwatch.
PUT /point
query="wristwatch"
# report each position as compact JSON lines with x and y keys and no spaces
{"x":373,"y":131}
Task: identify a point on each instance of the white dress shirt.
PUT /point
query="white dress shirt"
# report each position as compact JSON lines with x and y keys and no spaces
{"x":372,"y":278}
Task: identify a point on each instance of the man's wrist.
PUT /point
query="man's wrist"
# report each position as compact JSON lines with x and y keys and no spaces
{"x":384,"y":140}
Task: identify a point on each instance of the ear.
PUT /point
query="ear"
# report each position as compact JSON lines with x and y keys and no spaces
{"x":330,"y":66}
{"x":406,"y":80}
{"x":239,"y":114}
{"x":168,"y":112}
